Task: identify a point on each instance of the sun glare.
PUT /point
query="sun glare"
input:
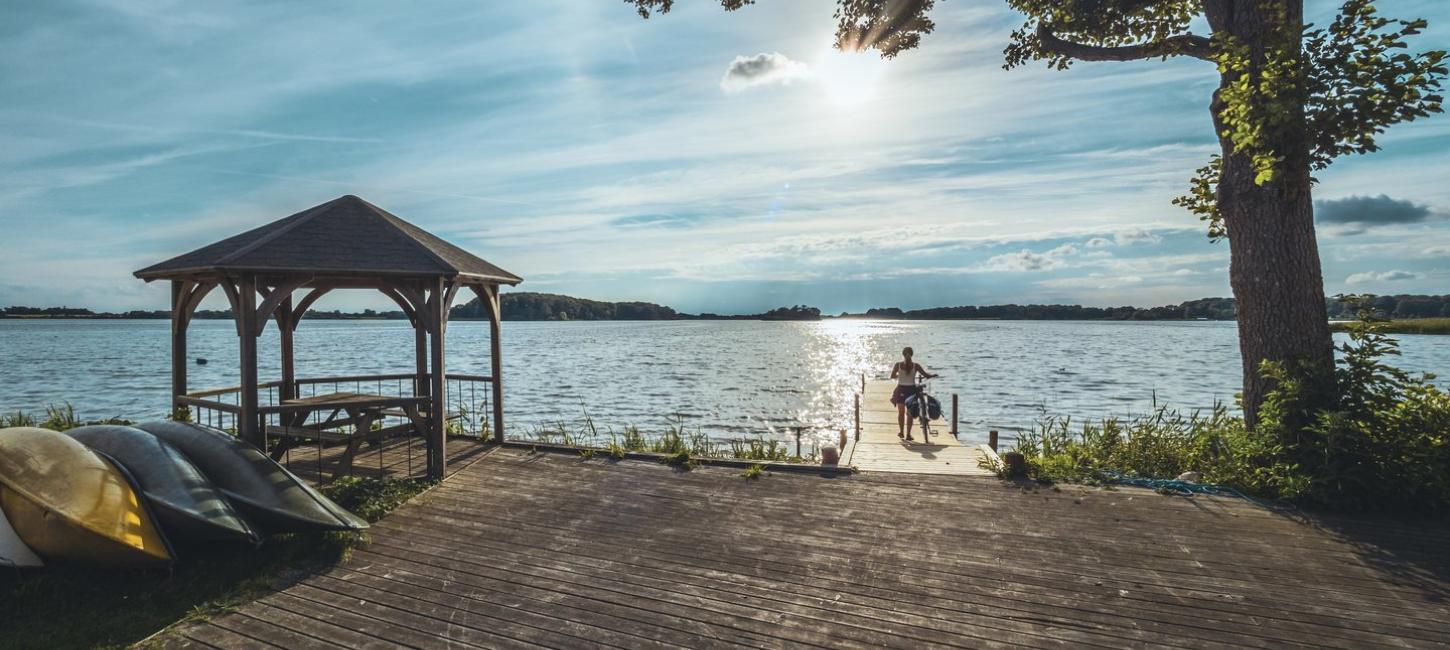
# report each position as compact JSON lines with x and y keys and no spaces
{"x":849,"y":79}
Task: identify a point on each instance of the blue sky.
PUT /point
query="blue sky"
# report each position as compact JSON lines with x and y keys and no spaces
{"x":601,"y":155}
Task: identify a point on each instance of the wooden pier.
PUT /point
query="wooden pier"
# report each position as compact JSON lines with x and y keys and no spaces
{"x":520,"y":550}
{"x":879,"y":450}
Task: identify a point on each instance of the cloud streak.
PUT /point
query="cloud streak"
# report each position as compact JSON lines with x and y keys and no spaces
{"x":760,"y":70}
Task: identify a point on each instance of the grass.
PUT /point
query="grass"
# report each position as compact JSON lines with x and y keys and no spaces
{"x":754,"y":471}
{"x":70,"y":606}
{"x":674,"y":441}
{"x":1406,"y":326}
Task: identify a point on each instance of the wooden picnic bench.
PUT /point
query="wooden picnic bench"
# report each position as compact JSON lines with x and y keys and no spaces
{"x":349,"y":419}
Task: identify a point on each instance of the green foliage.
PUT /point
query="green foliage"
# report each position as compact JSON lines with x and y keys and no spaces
{"x":887,"y":26}
{"x":371,"y":498}
{"x":674,"y":440}
{"x":754,"y":471}
{"x":57,"y":418}
{"x":1099,"y":23}
{"x":1359,"y":80}
{"x":680,"y":459}
{"x":1202,"y":198}
{"x":1384,"y":444}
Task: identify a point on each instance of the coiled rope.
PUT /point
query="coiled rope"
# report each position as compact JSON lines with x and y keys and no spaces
{"x":1188,"y":488}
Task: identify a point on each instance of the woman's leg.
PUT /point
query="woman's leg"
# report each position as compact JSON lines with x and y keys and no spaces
{"x":900,"y":420}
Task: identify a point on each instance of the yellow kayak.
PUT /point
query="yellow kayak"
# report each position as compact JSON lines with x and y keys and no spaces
{"x":67,"y":502}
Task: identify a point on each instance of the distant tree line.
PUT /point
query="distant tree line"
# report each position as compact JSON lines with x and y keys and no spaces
{"x":527,"y":306}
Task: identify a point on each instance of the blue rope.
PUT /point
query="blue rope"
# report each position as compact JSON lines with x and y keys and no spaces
{"x":1187,"y":488}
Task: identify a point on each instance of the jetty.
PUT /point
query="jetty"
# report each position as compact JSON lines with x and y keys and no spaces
{"x":877,"y":449}
{"x":522,"y":550}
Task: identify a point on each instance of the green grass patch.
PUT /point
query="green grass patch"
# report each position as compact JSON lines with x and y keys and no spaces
{"x":754,"y":471}
{"x":71,"y":606}
{"x":1405,"y":326}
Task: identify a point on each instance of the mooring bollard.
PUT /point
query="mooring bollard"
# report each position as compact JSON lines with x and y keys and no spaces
{"x":843,"y":440}
{"x":954,"y":415}
{"x":992,"y":439}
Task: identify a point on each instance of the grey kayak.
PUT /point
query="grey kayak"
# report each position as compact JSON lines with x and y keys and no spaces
{"x":186,"y":503}
{"x":268,"y":495}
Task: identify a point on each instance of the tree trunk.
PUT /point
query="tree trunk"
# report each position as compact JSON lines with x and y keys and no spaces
{"x":1274,"y":268}
{"x":1276,"y":279}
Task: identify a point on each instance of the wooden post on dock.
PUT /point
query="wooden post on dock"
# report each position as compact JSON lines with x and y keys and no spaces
{"x":992,"y":439}
{"x":954,"y":415}
{"x":858,"y":417}
{"x":798,"y":442}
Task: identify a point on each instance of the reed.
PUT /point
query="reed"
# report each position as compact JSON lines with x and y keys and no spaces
{"x":674,"y":440}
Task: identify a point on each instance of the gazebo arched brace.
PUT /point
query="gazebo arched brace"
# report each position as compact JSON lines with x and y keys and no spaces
{"x":306,"y":303}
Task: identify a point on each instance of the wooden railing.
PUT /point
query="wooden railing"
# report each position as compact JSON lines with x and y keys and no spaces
{"x":469,"y":399}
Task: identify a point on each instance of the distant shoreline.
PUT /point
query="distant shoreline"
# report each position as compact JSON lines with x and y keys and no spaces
{"x":1432,"y":312}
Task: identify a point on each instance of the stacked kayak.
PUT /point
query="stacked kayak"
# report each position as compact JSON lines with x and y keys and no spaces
{"x":67,"y":502}
{"x":266,"y":493}
{"x":116,"y":495}
{"x":186,"y":503}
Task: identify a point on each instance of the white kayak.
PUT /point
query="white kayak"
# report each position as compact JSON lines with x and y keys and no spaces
{"x":13,"y":552}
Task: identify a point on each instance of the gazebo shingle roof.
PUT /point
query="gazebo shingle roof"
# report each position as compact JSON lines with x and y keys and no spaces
{"x":346,"y":236}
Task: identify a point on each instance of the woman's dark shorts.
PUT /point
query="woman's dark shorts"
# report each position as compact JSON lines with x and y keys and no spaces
{"x":898,"y":396}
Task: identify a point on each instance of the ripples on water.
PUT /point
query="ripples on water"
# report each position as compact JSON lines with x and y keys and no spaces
{"x":728,"y":378}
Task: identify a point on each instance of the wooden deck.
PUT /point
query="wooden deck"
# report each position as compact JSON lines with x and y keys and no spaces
{"x":879,"y":450}
{"x":551,"y":550}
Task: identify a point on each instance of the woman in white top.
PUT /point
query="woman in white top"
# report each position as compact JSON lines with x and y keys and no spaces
{"x":905,"y":373}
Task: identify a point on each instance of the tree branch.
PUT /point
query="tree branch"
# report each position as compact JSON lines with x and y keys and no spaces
{"x":1186,"y":44}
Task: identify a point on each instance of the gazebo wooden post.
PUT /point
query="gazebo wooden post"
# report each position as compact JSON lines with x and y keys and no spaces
{"x":495,"y":355}
{"x":420,"y":343}
{"x":285,"y":327}
{"x":248,"y":423}
{"x":438,"y":410}
{"x":180,"y":296}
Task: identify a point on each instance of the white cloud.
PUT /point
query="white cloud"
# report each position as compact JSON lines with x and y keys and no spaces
{"x":1136,"y":236}
{"x":1027,"y":260}
{"x":1099,"y":242}
{"x":1386,"y":276}
{"x":761,"y":69}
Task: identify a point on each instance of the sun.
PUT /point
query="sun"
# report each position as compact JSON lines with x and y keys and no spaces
{"x":849,"y":79}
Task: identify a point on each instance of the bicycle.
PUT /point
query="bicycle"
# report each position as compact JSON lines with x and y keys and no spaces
{"x":923,"y":410}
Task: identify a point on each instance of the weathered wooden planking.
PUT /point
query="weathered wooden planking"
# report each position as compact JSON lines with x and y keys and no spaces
{"x":531,"y":550}
{"x":880,"y":450}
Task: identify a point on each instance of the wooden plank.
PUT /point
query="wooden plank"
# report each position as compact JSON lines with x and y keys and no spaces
{"x":520,"y":549}
{"x":879,"y":449}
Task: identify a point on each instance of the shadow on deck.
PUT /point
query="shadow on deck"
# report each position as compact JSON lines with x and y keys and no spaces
{"x":527,"y":550}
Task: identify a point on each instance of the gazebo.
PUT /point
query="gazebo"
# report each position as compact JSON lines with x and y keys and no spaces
{"x":346,"y":243}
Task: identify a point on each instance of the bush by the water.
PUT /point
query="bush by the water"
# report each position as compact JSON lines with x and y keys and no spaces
{"x":1385,"y":444}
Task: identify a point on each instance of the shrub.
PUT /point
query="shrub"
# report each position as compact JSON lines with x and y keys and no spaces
{"x":1385,"y":442}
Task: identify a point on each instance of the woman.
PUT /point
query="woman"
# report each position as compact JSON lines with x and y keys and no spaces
{"x":905,"y":373}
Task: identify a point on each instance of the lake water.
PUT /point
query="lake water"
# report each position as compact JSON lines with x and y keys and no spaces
{"x":728,"y":378}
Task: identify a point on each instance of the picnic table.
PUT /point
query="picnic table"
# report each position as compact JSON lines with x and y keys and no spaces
{"x":349,"y":418}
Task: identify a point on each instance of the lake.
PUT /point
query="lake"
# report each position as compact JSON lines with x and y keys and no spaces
{"x":727,"y":378}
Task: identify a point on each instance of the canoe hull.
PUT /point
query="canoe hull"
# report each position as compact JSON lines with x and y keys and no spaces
{"x":264,"y":492}
{"x":185,"y":501}
{"x":69,"y":503}
{"x":13,"y":551}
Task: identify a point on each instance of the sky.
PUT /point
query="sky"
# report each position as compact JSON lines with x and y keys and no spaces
{"x":710,"y":161}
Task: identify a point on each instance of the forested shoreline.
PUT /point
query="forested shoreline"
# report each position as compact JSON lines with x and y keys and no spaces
{"x":532,"y":306}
